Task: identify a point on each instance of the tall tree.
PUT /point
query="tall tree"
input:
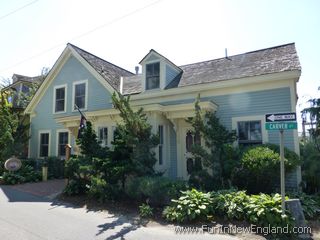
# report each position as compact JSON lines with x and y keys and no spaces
{"x":314,"y":114}
{"x":216,"y":149}
{"x":135,"y":137}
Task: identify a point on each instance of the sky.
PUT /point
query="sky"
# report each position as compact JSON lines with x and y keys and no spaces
{"x":35,"y":32}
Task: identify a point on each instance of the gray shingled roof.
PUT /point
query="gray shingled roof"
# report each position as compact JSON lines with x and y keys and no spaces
{"x":110,"y":72}
{"x":271,"y":60}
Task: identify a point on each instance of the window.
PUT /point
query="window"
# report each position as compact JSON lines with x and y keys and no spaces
{"x":152,"y":76}
{"x":80,"y":94}
{"x":160,"y":144}
{"x":103,"y":135}
{"x":44,"y":144}
{"x":249,"y":132}
{"x":62,"y":141}
{"x":60,"y":94}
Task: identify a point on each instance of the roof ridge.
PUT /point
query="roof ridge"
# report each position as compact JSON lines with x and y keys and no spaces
{"x":259,"y":50}
{"x":74,"y":46}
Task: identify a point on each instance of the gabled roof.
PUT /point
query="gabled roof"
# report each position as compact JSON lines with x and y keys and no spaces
{"x":152,"y":51}
{"x":261,"y":62}
{"x":110,"y":72}
{"x":107,"y":74}
{"x":17,"y":79}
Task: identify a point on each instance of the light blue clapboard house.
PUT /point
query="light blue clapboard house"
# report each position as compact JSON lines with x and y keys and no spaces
{"x":241,"y":89}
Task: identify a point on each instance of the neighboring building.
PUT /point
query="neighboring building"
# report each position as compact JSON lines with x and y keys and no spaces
{"x":241,"y":89}
{"x":21,"y":88}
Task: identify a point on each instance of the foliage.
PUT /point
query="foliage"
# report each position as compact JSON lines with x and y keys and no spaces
{"x":156,"y":190}
{"x":145,"y":210}
{"x":13,"y":131}
{"x":25,"y":174}
{"x":314,"y":114}
{"x":55,"y":167}
{"x":229,"y":203}
{"x":262,"y":210}
{"x":215,"y":153}
{"x":89,"y":144}
{"x":309,"y":203}
{"x":310,"y":167}
{"x":260,"y":166}
{"x":78,"y":171}
{"x":135,"y":138}
{"x":191,"y":205}
{"x":75,"y":187}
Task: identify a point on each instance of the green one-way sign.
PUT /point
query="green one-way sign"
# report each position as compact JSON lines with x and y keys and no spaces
{"x":281,"y":125}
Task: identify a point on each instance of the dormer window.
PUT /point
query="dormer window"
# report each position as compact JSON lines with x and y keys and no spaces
{"x":153,"y":76}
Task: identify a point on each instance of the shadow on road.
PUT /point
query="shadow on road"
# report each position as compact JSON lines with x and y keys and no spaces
{"x":14,"y":195}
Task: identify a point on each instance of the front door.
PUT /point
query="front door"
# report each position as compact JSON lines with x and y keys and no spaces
{"x":188,"y":140}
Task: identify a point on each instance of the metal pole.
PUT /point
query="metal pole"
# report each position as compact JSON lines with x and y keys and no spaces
{"x":282,"y":181}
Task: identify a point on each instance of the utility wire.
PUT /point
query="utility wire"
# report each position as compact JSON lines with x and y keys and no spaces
{"x":17,"y":10}
{"x":117,"y":19}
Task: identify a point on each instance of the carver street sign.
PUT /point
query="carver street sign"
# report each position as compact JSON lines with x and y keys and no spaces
{"x":281,"y":117}
{"x":281,"y":125}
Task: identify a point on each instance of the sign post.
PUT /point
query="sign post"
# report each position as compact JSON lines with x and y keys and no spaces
{"x":281,"y":122}
{"x":282,"y":182}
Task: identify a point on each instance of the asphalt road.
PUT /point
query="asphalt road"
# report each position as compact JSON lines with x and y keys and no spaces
{"x":24,"y":216}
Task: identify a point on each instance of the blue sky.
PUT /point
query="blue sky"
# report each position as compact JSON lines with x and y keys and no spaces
{"x":185,"y":31}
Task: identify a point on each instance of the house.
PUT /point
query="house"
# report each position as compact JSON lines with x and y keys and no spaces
{"x":241,"y":89}
{"x":21,"y":88}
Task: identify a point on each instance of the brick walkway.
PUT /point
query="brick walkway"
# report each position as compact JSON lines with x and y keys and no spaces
{"x":50,"y":188}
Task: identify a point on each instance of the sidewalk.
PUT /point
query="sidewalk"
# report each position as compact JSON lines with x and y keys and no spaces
{"x":49,"y":189}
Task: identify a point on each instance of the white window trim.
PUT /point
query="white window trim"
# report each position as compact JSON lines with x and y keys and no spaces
{"x":261,"y":118}
{"x":57,"y":138}
{"x":39,"y":142}
{"x":65,"y":86}
{"x":73,"y":94}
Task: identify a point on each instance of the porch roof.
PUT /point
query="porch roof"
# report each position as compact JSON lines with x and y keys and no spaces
{"x":175,"y":111}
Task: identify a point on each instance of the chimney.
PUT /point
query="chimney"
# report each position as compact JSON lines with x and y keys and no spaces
{"x":137,"y":69}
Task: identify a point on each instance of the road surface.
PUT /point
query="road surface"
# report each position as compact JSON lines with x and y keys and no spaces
{"x":26,"y":216}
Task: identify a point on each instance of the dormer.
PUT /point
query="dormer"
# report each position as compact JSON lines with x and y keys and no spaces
{"x":157,"y":71}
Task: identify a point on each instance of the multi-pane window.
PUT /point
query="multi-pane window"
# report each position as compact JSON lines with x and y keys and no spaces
{"x":62,"y":142}
{"x":152,"y":76}
{"x":160,"y":144}
{"x":44,"y":145}
{"x":60,"y":99}
{"x":103,"y":135}
{"x":249,"y":132}
{"x":80,"y":95}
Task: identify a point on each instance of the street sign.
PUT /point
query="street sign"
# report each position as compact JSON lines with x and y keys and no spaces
{"x":281,"y":117}
{"x":281,"y":125}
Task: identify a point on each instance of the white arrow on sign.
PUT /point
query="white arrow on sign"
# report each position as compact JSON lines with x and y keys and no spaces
{"x":281,"y":117}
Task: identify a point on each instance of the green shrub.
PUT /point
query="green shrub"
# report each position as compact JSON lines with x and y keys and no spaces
{"x":261,"y":210}
{"x":145,"y":211}
{"x":78,"y":171}
{"x":259,"y":168}
{"x":55,"y":167}
{"x":310,"y":167}
{"x":12,"y":178}
{"x":75,"y":187}
{"x":157,"y":190}
{"x":265,"y":210}
{"x":101,"y":190}
{"x":229,"y":203}
{"x":192,"y":205}
{"x":25,"y":174}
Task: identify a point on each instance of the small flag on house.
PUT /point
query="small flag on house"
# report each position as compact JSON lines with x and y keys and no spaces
{"x":83,"y":123}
